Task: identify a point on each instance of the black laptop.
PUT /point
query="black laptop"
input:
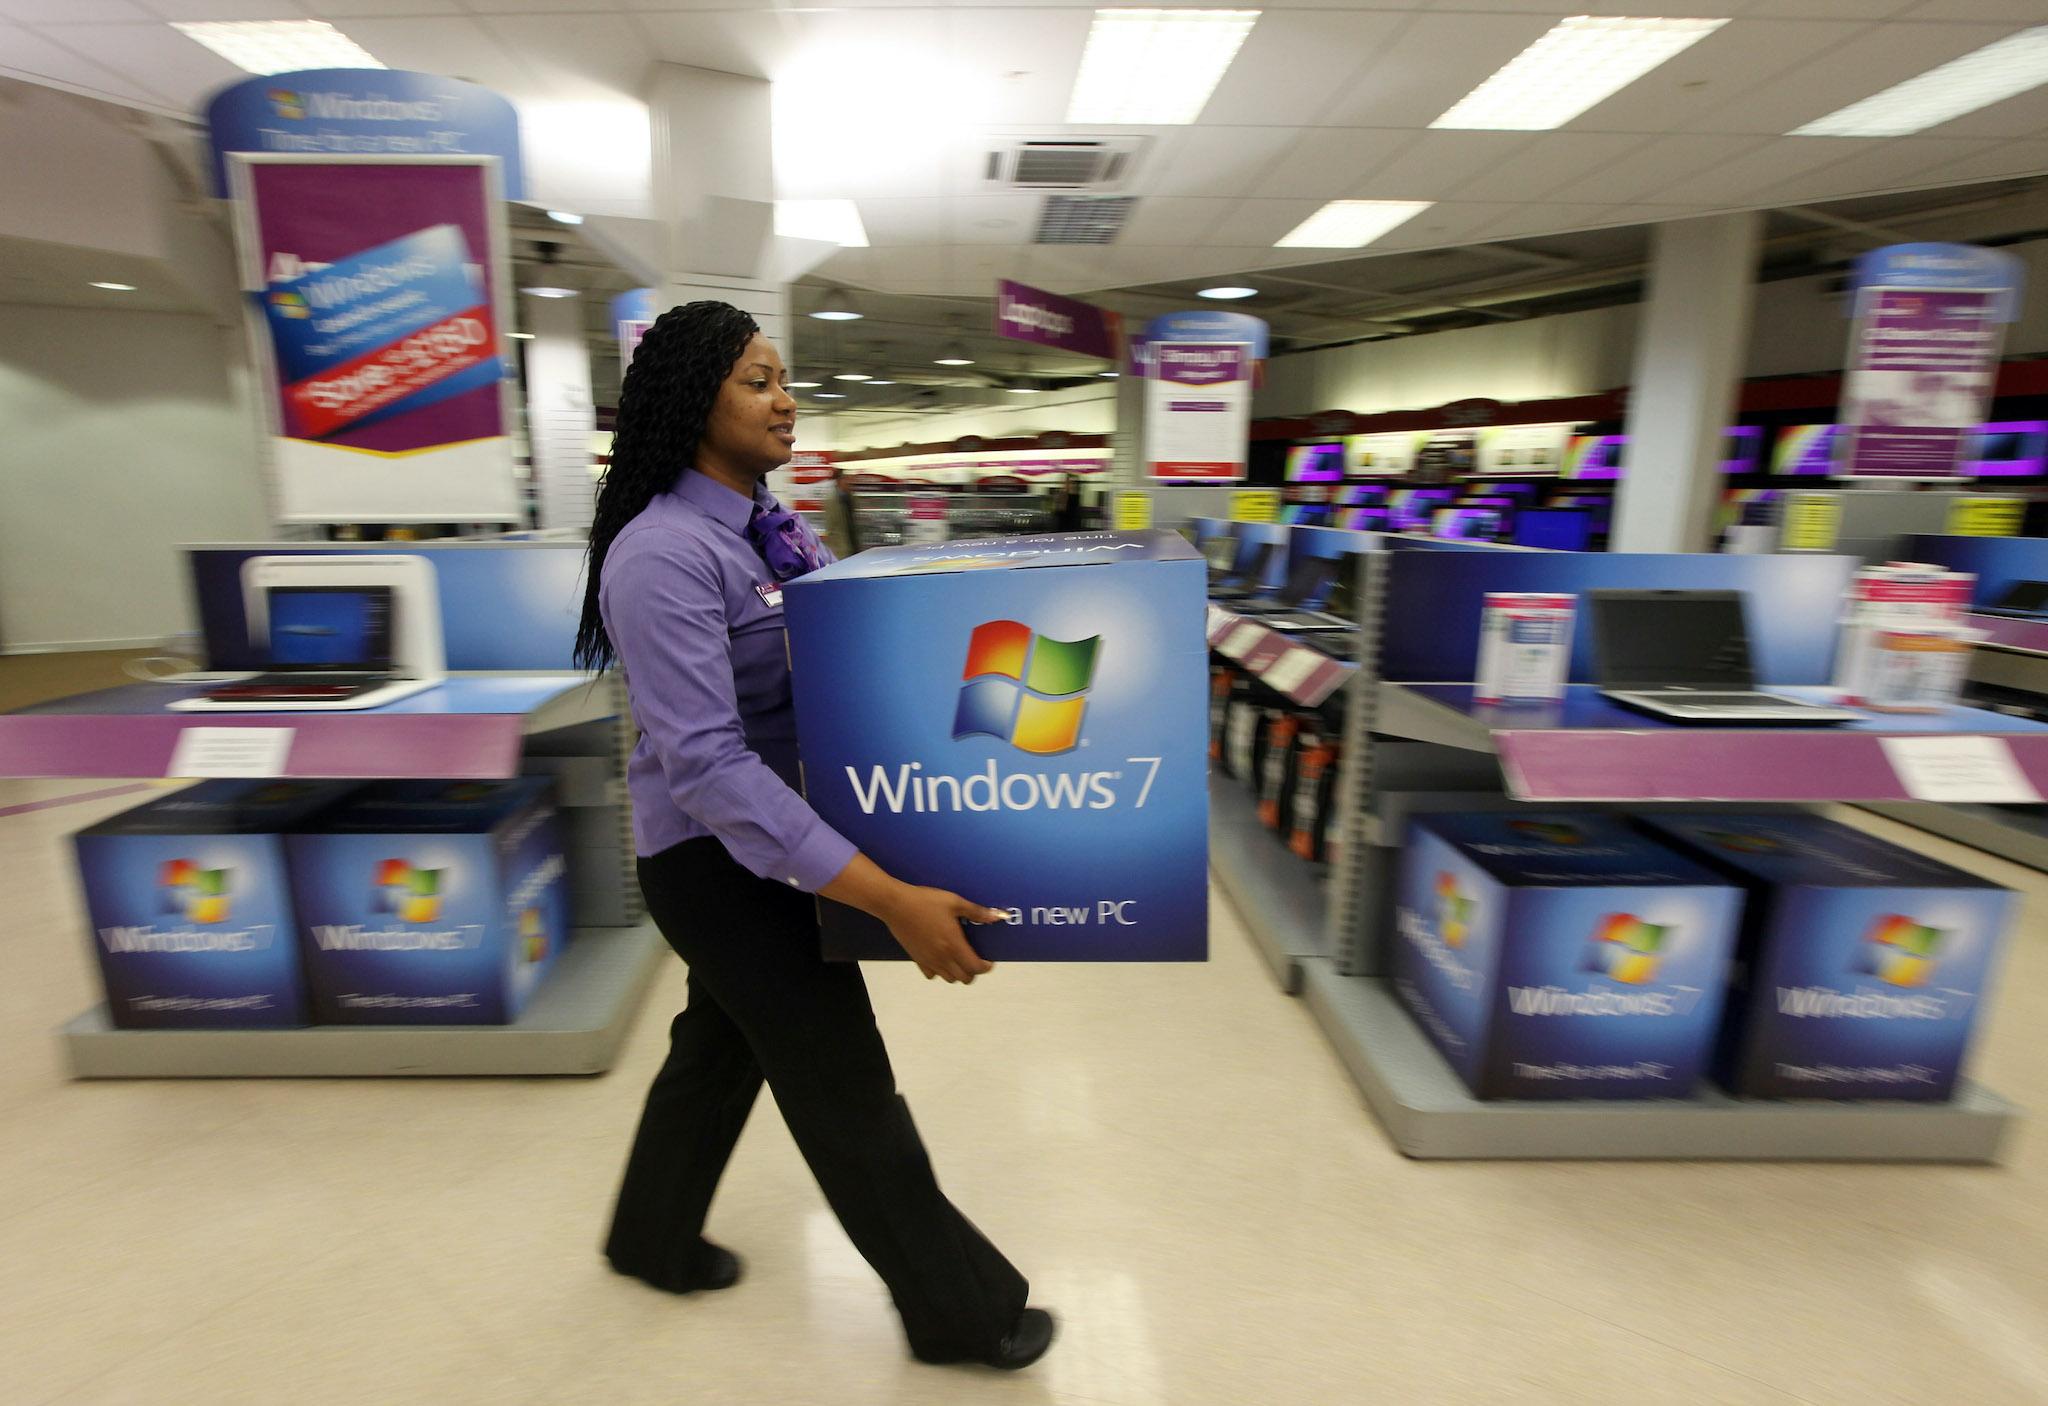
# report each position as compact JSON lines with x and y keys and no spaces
{"x":2023,"y":600}
{"x":1684,"y":656}
{"x":1297,"y":606}
{"x":1248,"y":578}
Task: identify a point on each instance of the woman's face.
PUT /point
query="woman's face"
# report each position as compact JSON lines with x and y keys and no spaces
{"x":752,"y":428}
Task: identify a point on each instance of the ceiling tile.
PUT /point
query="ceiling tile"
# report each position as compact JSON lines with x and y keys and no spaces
{"x":1436,"y":164}
{"x":57,"y":12}
{"x":28,"y":55}
{"x":1295,"y":64}
{"x":1327,"y":162}
{"x":1737,"y":180}
{"x":2028,"y":158}
{"x":1552,"y":160}
{"x":578,"y":56}
{"x":1869,"y":63}
{"x":228,"y":9}
{"x":899,"y":221}
{"x":2020,"y":116}
{"x":1834,"y":9}
{"x":1216,"y":161}
{"x":1431,"y":63}
{"x":1258,"y":223}
{"x":2019,"y":11}
{"x":1541,"y":219}
{"x":994,"y":219}
{"x":457,"y":47}
{"x":1447,"y":222}
{"x":382,"y":9}
{"x":729,"y":43}
{"x":1019,"y":65}
{"x":157,"y":60}
{"x":1653,"y":167}
{"x":1167,"y":221}
{"x":1736,"y":58}
{"x":1891,"y":165}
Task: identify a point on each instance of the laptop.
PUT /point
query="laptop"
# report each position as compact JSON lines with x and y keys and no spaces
{"x":2023,"y":600}
{"x":329,"y":647}
{"x":1249,"y":577}
{"x":1220,"y":552}
{"x":1296,"y":608}
{"x":1684,"y":656}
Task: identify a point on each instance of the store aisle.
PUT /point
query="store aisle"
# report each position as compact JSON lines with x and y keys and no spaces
{"x":1171,"y":1153}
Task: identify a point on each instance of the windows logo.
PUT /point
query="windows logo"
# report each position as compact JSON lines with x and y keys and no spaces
{"x":533,"y":937}
{"x":1627,"y":949}
{"x":1550,"y":832}
{"x":1453,"y":911}
{"x":1025,"y":689}
{"x":1901,"y":952}
{"x":411,"y":895}
{"x":288,"y":104}
{"x":197,"y":895}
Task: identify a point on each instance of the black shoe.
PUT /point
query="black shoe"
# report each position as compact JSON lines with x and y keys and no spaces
{"x":716,"y":1268}
{"x":1019,"y":1348}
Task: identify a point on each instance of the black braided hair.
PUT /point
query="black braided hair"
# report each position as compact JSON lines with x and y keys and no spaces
{"x":669,"y":390}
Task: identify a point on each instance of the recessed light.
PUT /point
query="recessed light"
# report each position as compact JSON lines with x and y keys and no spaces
{"x":954,"y":353}
{"x":1350,"y":224}
{"x":1988,"y":75}
{"x":1154,"y":67}
{"x":830,"y":221}
{"x":801,"y":385}
{"x":545,"y":291}
{"x":853,"y":376}
{"x":1580,"y":61}
{"x":1228,"y":293}
{"x":954,"y":361}
{"x":565,"y":217}
{"x":1021,"y":390}
{"x":520,"y":336}
{"x":279,"y":46}
{"x":836,"y":306}
{"x":1107,"y":375}
{"x":873,"y":382}
{"x":114,"y":287}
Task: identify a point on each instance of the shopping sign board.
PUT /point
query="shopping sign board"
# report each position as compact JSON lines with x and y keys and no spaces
{"x":632,"y":314}
{"x":1923,"y":355}
{"x":378,"y":292}
{"x":1026,"y":314}
{"x":1198,"y":399}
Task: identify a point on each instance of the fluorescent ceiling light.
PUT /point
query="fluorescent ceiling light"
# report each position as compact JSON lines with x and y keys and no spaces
{"x":1154,"y":67}
{"x":953,"y":354}
{"x":546,"y":291}
{"x":1350,"y":224}
{"x":114,"y":287}
{"x":833,"y":221}
{"x":829,"y":395}
{"x":853,"y":376}
{"x":521,"y":336}
{"x":1228,"y":294}
{"x":1991,"y":74}
{"x":873,"y":382}
{"x":1107,"y":375}
{"x":565,"y":217}
{"x":279,"y":46}
{"x":801,"y":385}
{"x":835,"y":306}
{"x":1583,"y":60}
{"x":1021,"y":390}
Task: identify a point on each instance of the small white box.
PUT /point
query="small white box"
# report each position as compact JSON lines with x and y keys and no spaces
{"x":1525,"y":647}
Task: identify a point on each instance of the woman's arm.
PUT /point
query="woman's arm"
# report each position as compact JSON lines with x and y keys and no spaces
{"x":926,"y":921}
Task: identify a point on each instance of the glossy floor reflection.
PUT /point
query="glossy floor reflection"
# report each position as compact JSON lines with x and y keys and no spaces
{"x":1171,"y":1154}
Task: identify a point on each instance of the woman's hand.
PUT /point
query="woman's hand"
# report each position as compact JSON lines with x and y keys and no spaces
{"x":927,"y":922}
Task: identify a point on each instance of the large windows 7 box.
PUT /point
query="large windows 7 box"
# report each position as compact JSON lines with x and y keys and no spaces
{"x":1023,"y":721}
{"x":1561,"y":956}
{"x":191,"y":905}
{"x":432,"y":902}
{"x":1862,"y":966}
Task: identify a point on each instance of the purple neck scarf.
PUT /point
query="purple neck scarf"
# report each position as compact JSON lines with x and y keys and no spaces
{"x":785,"y":543}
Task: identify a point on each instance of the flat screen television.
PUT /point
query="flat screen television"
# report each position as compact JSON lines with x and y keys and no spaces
{"x":2008,"y":449}
{"x":1315,"y":463}
{"x":1560,"y":529}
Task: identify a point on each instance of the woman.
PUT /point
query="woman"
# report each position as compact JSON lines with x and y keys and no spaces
{"x":687,"y":555}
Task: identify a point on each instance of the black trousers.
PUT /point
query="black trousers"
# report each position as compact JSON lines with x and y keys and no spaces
{"x":763,"y":1003}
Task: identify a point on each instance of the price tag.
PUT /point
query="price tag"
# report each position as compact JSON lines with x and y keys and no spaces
{"x":1133,"y":511}
{"x":1981,"y":769}
{"x":1291,"y":670}
{"x":1812,"y":522}
{"x":1255,"y":505}
{"x":1986,"y":517}
{"x":1239,"y":641}
{"x":231,"y":751}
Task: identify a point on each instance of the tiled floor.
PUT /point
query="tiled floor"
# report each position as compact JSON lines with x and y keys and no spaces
{"x":1171,"y":1154}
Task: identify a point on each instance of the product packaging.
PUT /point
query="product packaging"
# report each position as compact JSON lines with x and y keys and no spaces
{"x":1022,"y":721}
{"x":432,"y":902}
{"x":1314,"y":803}
{"x":1561,"y":955}
{"x":1862,"y":966}
{"x":1919,"y":669}
{"x":191,"y":905}
{"x":1897,"y":595}
{"x":1276,"y":770}
{"x":1525,"y":647}
{"x":1221,"y":681}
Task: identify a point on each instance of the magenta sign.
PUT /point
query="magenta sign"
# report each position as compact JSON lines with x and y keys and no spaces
{"x":1191,"y":364}
{"x":1025,"y":314}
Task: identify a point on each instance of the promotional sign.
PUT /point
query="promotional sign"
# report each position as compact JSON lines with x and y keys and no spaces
{"x":380,"y":293}
{"x":1380,"y":455}
{"x":1255,"y":505}
{"x":804,"y":484}
{"x":432,"y":902}
{"x":633,"y":312}
{"x":1812,"y":522}
{"x":1986,"y":517}
{"x":376,"y":112}
{"x":1923,"y":355}
{"x":1561,"y":956}
{"x":927,"y":519}
{"x":1206,"y":325}
{"x":191,"y":905}
{"x":1198,"y":402}
{"x":1020,"y":720}
{"x":1862,"y":966}
{"x":1130,"y":510}
{"x":1523,"y":449}
{"x":1026,"y":314}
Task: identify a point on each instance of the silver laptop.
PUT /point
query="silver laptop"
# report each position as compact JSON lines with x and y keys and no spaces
{"x":1684,"y":655}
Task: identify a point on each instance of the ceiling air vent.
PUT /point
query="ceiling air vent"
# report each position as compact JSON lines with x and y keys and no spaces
{"x":1063,"y":164}
{"x":1082,"y":219}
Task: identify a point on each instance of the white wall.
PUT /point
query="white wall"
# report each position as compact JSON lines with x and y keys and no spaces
{"x":122,"y":435}
{"x":1081,"y":410}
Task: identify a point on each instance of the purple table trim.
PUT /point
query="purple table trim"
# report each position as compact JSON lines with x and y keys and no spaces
{"x":103,"y":793}
{"x":475,"y":746}
{"x":2009,"y":633}
{"x":1269,"y":646}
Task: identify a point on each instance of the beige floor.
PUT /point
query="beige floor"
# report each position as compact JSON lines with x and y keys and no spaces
{"x":1171,"y":1154}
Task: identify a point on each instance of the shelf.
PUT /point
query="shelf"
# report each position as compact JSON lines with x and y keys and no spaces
{"x":2010,"y":632}
{"x":1292,"y":668}
{"x":1430,"y":1115}
{"x":470,"y":727}
{"x":575,"y":1024}
{"x":1278,"y":895}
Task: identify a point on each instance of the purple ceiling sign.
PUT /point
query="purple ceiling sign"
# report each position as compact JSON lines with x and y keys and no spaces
{"x":1026,"y":314}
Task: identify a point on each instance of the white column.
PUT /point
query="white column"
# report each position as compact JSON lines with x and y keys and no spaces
{"x":559,"y":416}
{"x":1689,"y":356}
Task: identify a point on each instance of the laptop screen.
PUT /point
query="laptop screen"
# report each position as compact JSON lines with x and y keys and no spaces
{"x":330,"y":627}
{"x":1220,"y":551}
{"x":1308,"y":580}
{"x":1655,"y":639}
{"x":2030,"y":596}
{"x":1254,"y":561}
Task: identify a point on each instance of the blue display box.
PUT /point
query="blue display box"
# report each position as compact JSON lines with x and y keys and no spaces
{"x":1561,"y":956}
{"x":191,"y":905}
{"x":1862,"y":966}
{"x":432,"y":902}
{"x":1023,"y":721}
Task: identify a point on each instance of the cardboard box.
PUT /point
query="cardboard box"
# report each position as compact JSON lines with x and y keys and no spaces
{"x":1861,"y":967}
{"x":191,"y":905}
{"x":1023,"y":721}
{"x":432,"y":902}
{"x":1561,"y":956}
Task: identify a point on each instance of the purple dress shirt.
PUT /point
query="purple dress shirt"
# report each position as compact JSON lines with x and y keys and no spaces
{"x":696,"y":618}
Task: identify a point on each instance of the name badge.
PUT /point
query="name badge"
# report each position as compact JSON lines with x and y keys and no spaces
{"x":770,"y":593}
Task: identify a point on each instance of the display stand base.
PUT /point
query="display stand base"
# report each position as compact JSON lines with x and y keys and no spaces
{"x":575,"y":1025}
{"x":1278,"y":895}
{"x":2010,"y":832}
{"x":1429,"y":1114}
